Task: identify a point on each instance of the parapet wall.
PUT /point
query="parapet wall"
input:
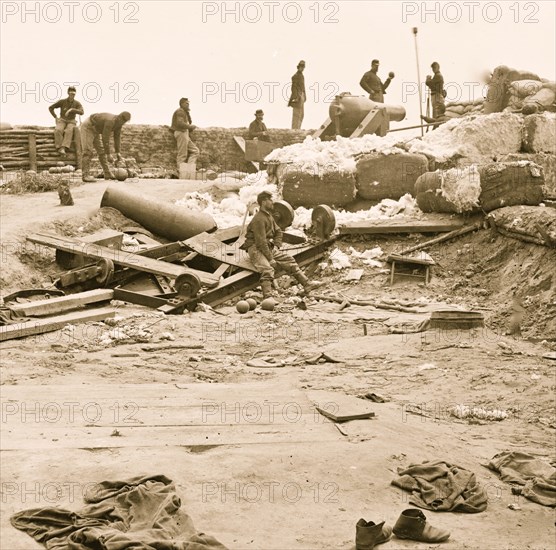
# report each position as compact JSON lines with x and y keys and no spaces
{"x":156,"y":146}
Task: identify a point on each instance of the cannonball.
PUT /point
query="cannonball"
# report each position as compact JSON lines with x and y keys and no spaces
{"x":121,"y":174}
{"x":268,"y":304}
{"x":391,"y":74}
{"x":242,"y":306}
{"x":252,"y":303}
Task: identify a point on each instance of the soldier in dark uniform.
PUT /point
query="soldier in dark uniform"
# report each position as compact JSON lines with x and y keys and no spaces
{"x":96,"y":127}
{"x":372,"y":84}
{"x":436,"y":86}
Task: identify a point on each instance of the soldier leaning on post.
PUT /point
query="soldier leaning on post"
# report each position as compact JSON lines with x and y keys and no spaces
{"x":97,"y":125}
{"x":181,"y":126}
{"x":436,"y":85}
{"x":372,"y":84}
{"x":65,"y":123}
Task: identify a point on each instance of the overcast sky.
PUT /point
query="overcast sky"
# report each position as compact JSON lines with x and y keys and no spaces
{"x":230,"y":58}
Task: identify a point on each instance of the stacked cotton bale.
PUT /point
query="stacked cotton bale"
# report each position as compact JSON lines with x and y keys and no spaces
{"x":547,"y":161}
{"x":324,"y":172}
{"x":382,"y":176}
{"x":486,"y":187}
{"x":456,"y":109}
{"x":539,"y":133}
{"x":303,"y":188}
{"x":471,"y":139}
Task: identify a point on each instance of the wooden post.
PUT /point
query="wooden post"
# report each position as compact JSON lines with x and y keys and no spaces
{"x":32,"y":140}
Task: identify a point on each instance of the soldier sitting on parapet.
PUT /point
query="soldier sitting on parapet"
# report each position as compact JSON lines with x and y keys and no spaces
{"x":258,"y":129}
{"x":65,"y":123}
{"x":440,"y":119}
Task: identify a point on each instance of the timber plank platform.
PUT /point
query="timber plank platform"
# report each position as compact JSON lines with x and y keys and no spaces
{"x":157,"y":415}
{"x":431,"y":224}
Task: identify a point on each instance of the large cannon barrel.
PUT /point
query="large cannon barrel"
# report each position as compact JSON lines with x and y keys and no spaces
{"x":175,"y":223}
{"x":352,"y":109}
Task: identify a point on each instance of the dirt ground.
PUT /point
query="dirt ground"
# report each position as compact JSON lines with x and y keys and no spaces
{"x":305,"y":486}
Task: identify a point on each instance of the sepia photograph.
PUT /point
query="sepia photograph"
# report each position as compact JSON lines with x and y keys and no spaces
{"x":277,"y":275}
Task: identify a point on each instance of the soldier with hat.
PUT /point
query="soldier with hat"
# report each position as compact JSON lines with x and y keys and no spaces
{"x":258,"y":129}
{"x":298,"y":96}
{"x":263,"y":241}
{"x":181,"y":127}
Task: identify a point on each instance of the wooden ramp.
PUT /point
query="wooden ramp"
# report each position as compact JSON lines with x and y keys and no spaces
{"x":241,"y":144}
{"x":157,"y":415}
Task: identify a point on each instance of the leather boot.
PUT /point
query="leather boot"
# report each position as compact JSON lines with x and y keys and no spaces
{"x":307,"y":285}
{"x":86,"y":170}
{"x":412,"y":524}
{"x":108,"y":174}
{"x":266,"y":287}
{"x":368,"y":534}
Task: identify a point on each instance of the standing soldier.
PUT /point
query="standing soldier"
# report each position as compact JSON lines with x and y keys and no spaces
{"x":298,"y":96}
{"x":65,"y":123}
{"x":181,"y":126}
{"x":436,"y":85}
{"x":97,"y":125}
{"x":372,"y":84}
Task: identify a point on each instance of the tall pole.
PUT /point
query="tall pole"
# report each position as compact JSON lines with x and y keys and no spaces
{"x":418,"y":79}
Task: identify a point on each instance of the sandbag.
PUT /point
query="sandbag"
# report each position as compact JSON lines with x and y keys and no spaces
{"x":524,"y":88}
{"x":510,"y":184}
{"x":389,"y":176}
{"x":5,"y":126}
{"x":310,"y":190}
{"x":428,"y":195}
{"x":497,"y":96}
{"x":541,"y":101}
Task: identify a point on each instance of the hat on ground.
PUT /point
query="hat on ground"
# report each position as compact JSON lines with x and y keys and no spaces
{"x":263,"y":196}
{"x":259,"y":112}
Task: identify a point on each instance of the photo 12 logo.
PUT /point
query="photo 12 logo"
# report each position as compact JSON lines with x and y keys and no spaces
{"x":267,"y":92}
{"x":270,"y":12}
{"x":470,"y":12}
{"x":49,"y":92}
{"x":69,"y":12}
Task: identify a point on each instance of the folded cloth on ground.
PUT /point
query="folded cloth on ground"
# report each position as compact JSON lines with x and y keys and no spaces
{"x":143,"y":513}
{"x":537,"y":477}
{"x":442,"y":487}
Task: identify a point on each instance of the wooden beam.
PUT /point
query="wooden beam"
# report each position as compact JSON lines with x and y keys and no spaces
{"x":120,"y":257}
{"x":32,"y":140}
{"x":377,"y":227}
{"x":447,"y":237}
{"x":40,"y":326}
{"x":54,"y":306}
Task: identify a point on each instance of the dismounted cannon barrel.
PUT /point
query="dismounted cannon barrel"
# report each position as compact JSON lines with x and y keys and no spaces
{"x":173,"y":222}
{"x":352,"y":109}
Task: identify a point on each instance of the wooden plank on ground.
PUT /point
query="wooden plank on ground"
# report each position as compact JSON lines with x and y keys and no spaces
{"x":340,"y":407}
{"x":377,"y":227}
{"x":212,"y":247}
{"x":54,"y":306}
{"x":120,"y":257}
{"x":50,"y":324}
{"x":157,"y":415}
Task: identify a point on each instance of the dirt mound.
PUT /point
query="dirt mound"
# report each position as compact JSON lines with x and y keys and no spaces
{"x":25,"y":265}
